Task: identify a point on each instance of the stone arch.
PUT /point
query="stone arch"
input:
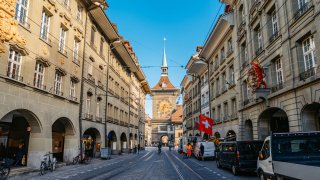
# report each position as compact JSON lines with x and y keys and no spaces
{"x":92,"y":140}
{"x":123,"y":142}
{"x":18,"y":128}
{"x":112,"y":142}
{"x":61,"y":129}
{"x":248,"y":130}
{"x":231,"y":136}
{"x":272,"y":120}
{"x":164,"y":139}
{"x":310,"y":116}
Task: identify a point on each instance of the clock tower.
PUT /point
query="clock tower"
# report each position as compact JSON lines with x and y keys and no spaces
{"x":164,"y":96}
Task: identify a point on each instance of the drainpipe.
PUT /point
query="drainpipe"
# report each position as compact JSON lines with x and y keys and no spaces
{"x":82,"y":82}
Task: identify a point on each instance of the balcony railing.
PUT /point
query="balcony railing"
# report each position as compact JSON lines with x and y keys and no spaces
{"x":98,"y":119}
{"x":91,"y":78}
{"x":246,"y":102}
{"x":100,"y":84}
{"x":273,"y":36}
{"x":259,"y":51}
{"x":276,"y":87}
{"x":244,"y":64}
{"x":234,"y":116}
{"x":307,"y":74}
{"x":204,"y":105}
{"x":302,"y":10}
{"x":229,"y":52}
{"x":72,"y":98}
{"x":39,"y":86}
{"x":15,"y":76}
{"x":58,"y":93}
{"x":88,"y":116}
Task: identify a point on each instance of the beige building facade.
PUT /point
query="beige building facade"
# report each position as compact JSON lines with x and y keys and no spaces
{"x":58,"y":59}
{"x":282,"y":36}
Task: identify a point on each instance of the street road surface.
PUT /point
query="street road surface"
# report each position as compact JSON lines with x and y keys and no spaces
{"x":146,"y":165}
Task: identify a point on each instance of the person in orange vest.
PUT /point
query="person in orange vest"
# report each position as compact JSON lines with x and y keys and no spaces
{"x":189,"y":149}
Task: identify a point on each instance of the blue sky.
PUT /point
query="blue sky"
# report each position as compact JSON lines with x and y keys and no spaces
{"x":184,"y":23}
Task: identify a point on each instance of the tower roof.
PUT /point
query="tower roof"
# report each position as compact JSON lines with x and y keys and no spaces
{"x":164,"y":67}
{"x":164,"y":83}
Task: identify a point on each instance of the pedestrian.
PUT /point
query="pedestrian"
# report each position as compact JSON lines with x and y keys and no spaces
{"x":135,"y":149}
{"x":189,"y":150}
{"x":19,"y":154}
{"x":202,"y":151}
{"x":138,"y":148}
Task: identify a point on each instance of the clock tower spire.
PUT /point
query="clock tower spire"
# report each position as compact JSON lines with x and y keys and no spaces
{"x":164,"y":66}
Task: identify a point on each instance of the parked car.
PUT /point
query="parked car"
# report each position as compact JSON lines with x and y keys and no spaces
{"x":238,"y":155}
{"x":209,"y":150}
{"x":290,"y":156}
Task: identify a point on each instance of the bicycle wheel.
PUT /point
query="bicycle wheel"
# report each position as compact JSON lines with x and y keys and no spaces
{"x":75,"y":160}
{"x":50,"y":164}
{"x":4,"y":172}
{"x":42,"y":168}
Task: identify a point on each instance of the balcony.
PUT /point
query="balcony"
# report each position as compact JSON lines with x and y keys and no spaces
{"x":225,"y":118}
{"x":276,"y":87}
{"x":244,"y":64}
{"x":100,"y":85}
{"x":307,"y":74}
{"x":302,"y":10}
{"x":121,"y":123}
{"x":58,"y":93}
{"x":110,"y":91}
{"x":234,"y":116}
{"x":72,"y":98}
{"x":98,"y":119}
{"x":91,"y":79}
{"x":259,"y":51}
{"x":246,"y":102}
{"x":274,"y":36}
{"x":15,"y":77}
{"x":109,"y":119}
{"x":229,"y":52}
{"x":88,"y":116}
{"x":39,"y":86}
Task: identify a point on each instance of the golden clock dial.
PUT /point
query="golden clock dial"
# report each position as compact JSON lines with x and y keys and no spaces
{"x":164,"y":107}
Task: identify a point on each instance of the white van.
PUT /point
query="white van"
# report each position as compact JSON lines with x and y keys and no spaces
{"x":209,"y":150}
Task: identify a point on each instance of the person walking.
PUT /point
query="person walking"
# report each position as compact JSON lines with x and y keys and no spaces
{"x":135,"y":149}
{"x":138,"y":148}
{"x":189,"y":150}
{"x":202,"y":151}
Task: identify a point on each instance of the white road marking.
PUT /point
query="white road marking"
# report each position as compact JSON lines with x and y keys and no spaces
{"x":175,"y":167}
{"x":149,"y":157}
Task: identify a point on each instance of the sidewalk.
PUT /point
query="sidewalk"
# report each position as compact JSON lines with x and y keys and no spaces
{"x":19,"y":171}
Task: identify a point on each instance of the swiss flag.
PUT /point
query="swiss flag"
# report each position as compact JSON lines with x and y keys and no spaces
{"x":205,"y":124}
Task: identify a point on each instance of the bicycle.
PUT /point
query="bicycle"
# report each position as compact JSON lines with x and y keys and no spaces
{"x":81,"y":159}
{"x":47,"y":163}
{"x":4,"y":170}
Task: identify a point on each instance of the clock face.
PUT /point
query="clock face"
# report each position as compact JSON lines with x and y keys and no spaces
{"x":164,"y":107}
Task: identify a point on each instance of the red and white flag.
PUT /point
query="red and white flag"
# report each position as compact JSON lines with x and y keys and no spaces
{"x":205,"y":124}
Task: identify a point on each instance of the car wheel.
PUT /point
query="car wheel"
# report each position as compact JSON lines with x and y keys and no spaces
{"x":261,"y":175}
{"x":234,"y":170}
{"x":218,"y":163}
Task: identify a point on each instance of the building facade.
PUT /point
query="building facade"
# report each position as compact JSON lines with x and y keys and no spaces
{"x":281,"y":36}
{"x":40,"y":78}
{"x":220,"y":53}
{"x":58,"y":60}
{"x":164,"y":96}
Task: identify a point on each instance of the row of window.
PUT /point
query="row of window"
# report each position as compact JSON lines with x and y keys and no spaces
{"x":222,"y":113}
{"x":14,"y":71}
